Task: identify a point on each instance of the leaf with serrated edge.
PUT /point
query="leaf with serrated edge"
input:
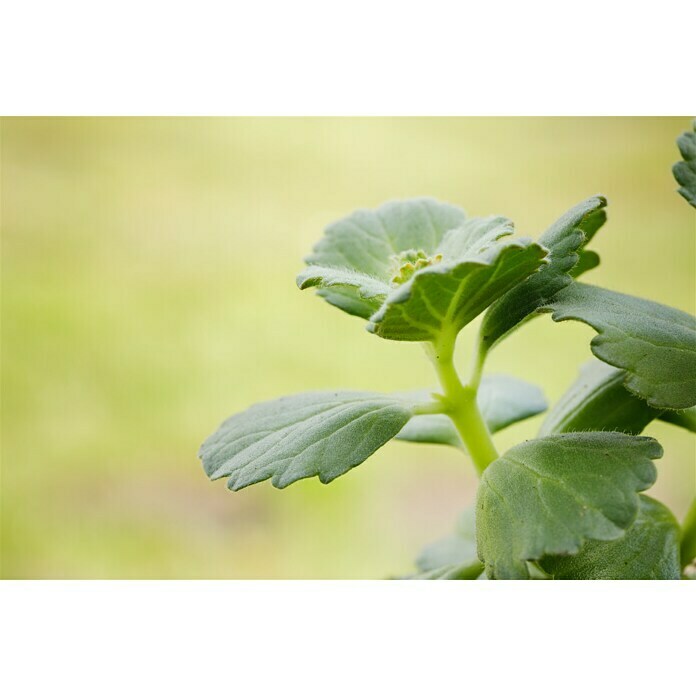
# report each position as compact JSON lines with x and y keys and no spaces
{"x":564,"y":240}
{"x":684,"y":419}
{"x":587,"y":260}
{"x":502,"y":400}
{"x":417,"y":267}
{"x":685,"y":171}
{"x":649,"y":550}
{"x":448,"y":295}
{"x":549,"y":496}
{"x":366,"y":241}
{"x":598,"y":400}
{"x":655,"y":344}
{"x":322,"y":434}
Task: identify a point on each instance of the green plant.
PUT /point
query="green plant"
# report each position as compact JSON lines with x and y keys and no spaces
{"x":568,"y":504}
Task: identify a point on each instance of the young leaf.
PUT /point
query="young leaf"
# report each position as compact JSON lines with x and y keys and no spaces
{"x":502,"y":401}
{"x":416,"y":267}
{"x":655,"y":344}
{"x":564,"y":240}
{"x":367,"y":242}
{"x":598,"y":400}
{"x":322,"y":434}
{"x":685,"y":171}
{"x":649,"y":550}
{"x":367,"y":293}
{"x":548,"y":496}
{"x":458,"y":549}
{"x":447,"y":295}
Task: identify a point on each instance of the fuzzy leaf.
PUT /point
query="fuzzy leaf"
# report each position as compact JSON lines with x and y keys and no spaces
{"x":648,"y":551}
{"x":684,"y":419}
{"x":598,"y":400}
{"x":502,"y":400}
{"x":416,"y":267}
{"x":367,"y":241}
{"x":655,"y":344}
{"x":685,"y":171}
{"x":367,"y":293}
{"x":448,"y":295}
{"x":587,"y":260}
{"x":322,"y":434}
{"x":549,"y":496}
{"x":564,"y":240}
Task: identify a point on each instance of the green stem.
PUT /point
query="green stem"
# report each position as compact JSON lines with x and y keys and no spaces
{"x":688,"y":543}
{"x":461,"y":405}
{"x":478,"y":359}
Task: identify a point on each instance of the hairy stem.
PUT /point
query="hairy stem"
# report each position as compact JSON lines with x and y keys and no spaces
{"x":461,"y":405}
{"x":688,"y":543}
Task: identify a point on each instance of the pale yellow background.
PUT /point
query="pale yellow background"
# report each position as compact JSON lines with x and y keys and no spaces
{"x":148,"y":292}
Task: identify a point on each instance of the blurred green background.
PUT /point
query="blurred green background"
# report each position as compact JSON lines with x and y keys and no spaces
{"x":148,"y":292}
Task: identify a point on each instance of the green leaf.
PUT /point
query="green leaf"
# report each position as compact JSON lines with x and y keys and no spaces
{"x":415,"y":268}
{"x":322,"y":434}
{"x":364,"y":292}
{"x":587,"y":260}
{"x":502,"y":400}
{"x":649,"y":550}
{"x":448,"y":295}
{"x":684,"y":419}
{"x":564,"y":240}
{"x":655,"y":344}
{"x":688,"y":537}
{"x":457,"y":549}
{"x":685,"y":171}
{"x":598,"y":400}
{"x":549,"y":496}
{"x":367,"y":242}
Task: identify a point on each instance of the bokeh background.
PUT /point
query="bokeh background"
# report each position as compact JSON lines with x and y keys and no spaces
{"x":148,"y":292}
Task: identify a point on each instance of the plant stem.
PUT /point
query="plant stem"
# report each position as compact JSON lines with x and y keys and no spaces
{"x":688,"y":543}
{"x":461,"y":405}
{"x":478,"y":359}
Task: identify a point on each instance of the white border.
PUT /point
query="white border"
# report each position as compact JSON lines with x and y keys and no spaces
{"x":364,"y":57}
{"x":347,"y":638}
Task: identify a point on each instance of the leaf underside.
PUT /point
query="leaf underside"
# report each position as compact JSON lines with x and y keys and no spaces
{"x":655,"y":344}
{"x":322,"y":434}
{"x":598,"y":400}
{"x":649,"y":550}
{"x":564,"y":240}
{"x":685,"y":171}
{"x":549,"y":496}
{"x":502,"y":401}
